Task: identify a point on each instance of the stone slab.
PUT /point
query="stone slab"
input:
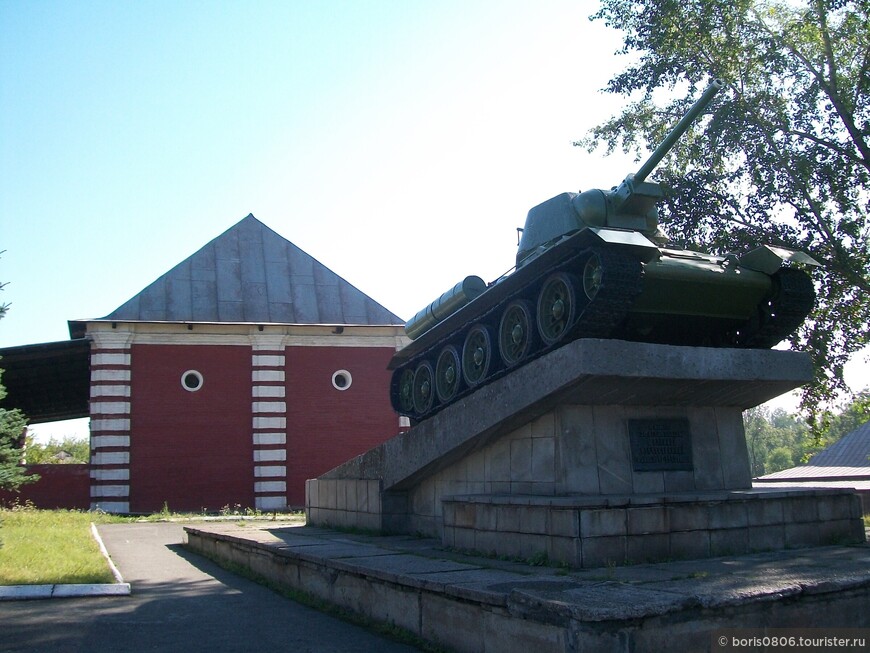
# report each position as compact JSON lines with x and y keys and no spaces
{"x":337,"y":550}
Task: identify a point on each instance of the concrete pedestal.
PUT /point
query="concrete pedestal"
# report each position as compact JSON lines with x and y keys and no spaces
{"x":596,"y":531}
{"x":601,"y":452}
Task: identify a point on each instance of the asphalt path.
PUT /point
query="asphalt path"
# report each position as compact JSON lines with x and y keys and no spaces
{"x":179,"y":602}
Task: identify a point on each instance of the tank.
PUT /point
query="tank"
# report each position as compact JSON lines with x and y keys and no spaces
{"x":596,"y":264}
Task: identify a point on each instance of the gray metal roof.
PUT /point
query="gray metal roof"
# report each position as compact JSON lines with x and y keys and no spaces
{"x":847,"y":458}
{"x":852,"y":450}
{"x":251,"y":274}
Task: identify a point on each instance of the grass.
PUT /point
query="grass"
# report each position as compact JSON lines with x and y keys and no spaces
{"x":47,"y":547}
{"x":51,"y":546}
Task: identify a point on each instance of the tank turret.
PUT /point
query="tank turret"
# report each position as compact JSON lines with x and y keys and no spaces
{"x":630,"y":205}
{"x":596,"y":264}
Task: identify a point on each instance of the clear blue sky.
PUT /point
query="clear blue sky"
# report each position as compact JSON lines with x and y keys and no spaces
{"x":398,"y":142}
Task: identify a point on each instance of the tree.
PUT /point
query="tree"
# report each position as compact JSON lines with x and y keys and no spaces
{"x":779,"y":459}
{"x":69,"y":450}
{"x":12,"y":423}
{"x":855,"y":413}
{"x":784,"y":159}
{"x":776,"y":440}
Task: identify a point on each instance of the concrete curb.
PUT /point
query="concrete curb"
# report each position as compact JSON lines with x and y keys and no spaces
{"x":117,"y":574}
{"x":65,"y":591}
{"x":31,"y":592}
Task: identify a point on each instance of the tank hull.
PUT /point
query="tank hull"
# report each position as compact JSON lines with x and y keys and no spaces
{"x":601,"y":283}
{"x":596,"y":265}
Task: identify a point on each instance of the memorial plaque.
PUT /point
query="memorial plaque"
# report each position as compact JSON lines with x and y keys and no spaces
{"x":659,"y":445}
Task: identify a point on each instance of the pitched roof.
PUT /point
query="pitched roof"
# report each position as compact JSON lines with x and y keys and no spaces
{"x":251,"y":274}
{"x":847,"y":458}
{"x":852,"y":450}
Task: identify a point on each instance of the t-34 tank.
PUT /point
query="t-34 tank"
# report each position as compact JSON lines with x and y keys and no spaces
{"x":596,"y":265}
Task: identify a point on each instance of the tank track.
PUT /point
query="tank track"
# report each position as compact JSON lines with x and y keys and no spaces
{"x":792,"y":301}
{"x":596,"y":318}
{"x":607,"y":311}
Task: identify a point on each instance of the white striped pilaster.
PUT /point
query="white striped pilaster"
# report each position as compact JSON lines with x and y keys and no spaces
{"x":269,"y":427}
{"x":110,"y":421}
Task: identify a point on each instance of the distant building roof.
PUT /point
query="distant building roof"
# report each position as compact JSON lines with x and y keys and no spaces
{"x":848,"y":458}
{"x":251,"y":274}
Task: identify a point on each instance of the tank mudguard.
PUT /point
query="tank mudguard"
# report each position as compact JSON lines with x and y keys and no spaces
{"x":640,"y":245}
{"x":769,"y":259}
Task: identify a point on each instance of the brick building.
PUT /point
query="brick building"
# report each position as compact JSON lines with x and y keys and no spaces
{"x":237,"y":375}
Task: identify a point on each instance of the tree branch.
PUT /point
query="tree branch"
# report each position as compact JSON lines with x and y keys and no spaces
{"x":843,"y":112}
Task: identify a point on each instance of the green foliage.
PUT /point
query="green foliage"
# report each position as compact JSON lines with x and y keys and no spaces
{"x":12,"y":423}
{"x":780,"y":458}
{"x":776,"y":440}
{"x":779,"y":440}
{"x":69,"y":450}
{"x":3,"y":306}
{"x":856,"y":413}
{"x":782,"y":159}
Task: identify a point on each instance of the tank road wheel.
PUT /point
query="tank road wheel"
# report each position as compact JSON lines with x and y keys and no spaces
{"x":516,"y":332}
{"x":404,"y":391}
{"x":424,"y":390}
{"x":476,"y":355}
{"x":593,"y":276}
{"x":557,"y":307}
{"x":447,"y":374}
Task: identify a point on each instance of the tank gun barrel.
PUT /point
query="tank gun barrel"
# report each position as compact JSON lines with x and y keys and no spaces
{"x":626,"y":188}
{"x":679,"y":129}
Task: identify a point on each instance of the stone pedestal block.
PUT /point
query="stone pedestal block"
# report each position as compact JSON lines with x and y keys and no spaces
{"x":601,"y":452}
{"x":589,"y":531}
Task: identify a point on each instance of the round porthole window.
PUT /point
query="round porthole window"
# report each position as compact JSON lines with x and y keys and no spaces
{"x":341,"y":380}
{"x":191,"y":380}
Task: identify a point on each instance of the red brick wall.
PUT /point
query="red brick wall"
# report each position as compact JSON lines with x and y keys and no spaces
{"x":325,"y":426}
{"x":191,"y":450}
{"x":59,"y":486}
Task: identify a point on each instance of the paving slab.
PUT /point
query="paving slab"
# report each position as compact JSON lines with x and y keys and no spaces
{"x":335,"y":550}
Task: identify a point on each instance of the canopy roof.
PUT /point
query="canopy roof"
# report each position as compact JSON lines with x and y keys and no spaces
{"x":47,"y":381}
